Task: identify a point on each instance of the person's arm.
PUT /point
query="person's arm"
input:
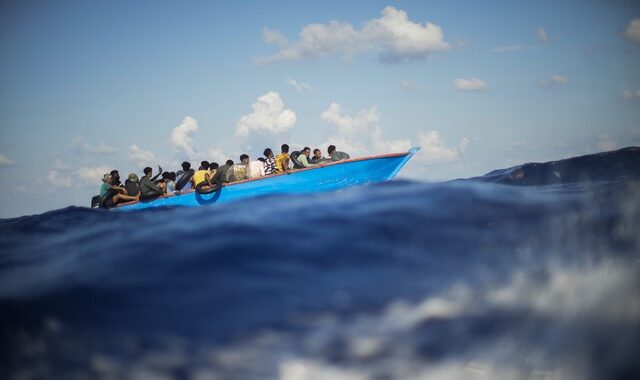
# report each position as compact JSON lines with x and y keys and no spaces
{"x":157,"y":175}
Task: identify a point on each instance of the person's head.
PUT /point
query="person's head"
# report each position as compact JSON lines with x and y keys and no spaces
{"x":317,"y":153}
{"x":133,"y":177}
{"x":268,"y":153}
{"x":229,"y":162}
{"x":173,"y":176}
{"x":204,"y":165}
{"x":261,"y":159}
{"x":115,"y":175}
{"x":186,"y":166}
{"x":244,"y":159}
{"x":147,"y":171}
{"x":213,"y":166}
{"x":285,"y":148}
{"x":106,"y":178}
{"x":331,"y":149}
{"x":166,"y":175}
{"x":306,"y":151}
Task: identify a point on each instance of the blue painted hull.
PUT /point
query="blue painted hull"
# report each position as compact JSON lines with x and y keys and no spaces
{"x":335,"y":176}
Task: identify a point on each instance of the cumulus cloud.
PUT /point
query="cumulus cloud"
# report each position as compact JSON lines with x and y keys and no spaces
{"x":140,"y":155}
{"x":632,"y":32}
{"x":472,"y":84}
{"x":631,"y":95}
{"x":360,"y":133}
{"x":393,"y":35}
{"x":542,"y":35}
{"x":55,"y":179}
{"x":554,"y":81}
{"x":91,"y":175}
{"x":5,"y":161}
{"x":269,"y":115}
{"x":299,"y":86}
{"x":80,"y":146}
{"x":181,"y":137}
{"x":434,"y":150}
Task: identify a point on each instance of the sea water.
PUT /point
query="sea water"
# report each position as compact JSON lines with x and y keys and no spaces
{"x":527,"y":273}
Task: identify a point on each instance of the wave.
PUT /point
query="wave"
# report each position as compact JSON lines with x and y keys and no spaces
{"x":619,"y":165}
{"x":395,"y":280}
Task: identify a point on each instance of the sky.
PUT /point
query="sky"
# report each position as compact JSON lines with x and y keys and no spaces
{"x":90,"y":86}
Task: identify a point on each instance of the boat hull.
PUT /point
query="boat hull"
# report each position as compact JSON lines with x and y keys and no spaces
{"x":332,"y":177}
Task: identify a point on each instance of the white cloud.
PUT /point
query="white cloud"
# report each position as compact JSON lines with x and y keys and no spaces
{"x":181,"y":139}
{"x":393,"y":35}
{"x":217,"y":155}
{"x":630,"y":94}
{"x":605,"y":143}
{"x":140,"y":155}
{"x":433,"y":148}
{"x":92,"y":175}
{"x":299,"y":86}
{"x":5,"y":161}
{"x":80,"y":146}
{"x":554,"y":81}
{"x":269,"y":115}
{"x":55,"y":179}
{"x":632,"y":33}
{"x":272,"y":36}
{"x":360,"y":134}
{"x":472,"y":84}
{"x":542,"y":35}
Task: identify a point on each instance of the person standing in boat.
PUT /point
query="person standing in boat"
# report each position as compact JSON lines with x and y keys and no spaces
{"x":148,"y":189}
{"x":335,"y":155}
{"x":269,"y":162}
{"x":283,"y":159}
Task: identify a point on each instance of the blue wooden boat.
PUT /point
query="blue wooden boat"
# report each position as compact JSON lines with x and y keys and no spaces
{"x":328,"y":177}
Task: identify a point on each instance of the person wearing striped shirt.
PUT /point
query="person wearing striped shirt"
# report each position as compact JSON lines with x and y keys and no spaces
{"x":269,"y":162}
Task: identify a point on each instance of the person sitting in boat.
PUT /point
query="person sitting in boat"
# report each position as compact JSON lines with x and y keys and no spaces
{"x":132,"y":185}
{"x":224,"y":169}
{"x":335,"y":155}
{"x":256,"y":168}
{"x":269,"y":162}
{"x":111,"y":195}
{"x":317,"y":156}
{"x":148,"y":189}
{"x":303,"y":158}
{"x":202,"y":178}
{"x":283,"y":160}
{"x":168,"y":178}
{"x":115,"y":178}
{"x":183,"y":177}
{"x":239,"y":171}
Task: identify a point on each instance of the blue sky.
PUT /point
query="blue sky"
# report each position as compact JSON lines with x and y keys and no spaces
{"x":89,"y":86}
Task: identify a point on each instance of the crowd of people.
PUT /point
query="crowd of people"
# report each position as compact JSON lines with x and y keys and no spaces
{"x":209,"y":177}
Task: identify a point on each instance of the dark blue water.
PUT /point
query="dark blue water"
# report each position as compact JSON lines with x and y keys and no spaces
{"x":531,"y":272}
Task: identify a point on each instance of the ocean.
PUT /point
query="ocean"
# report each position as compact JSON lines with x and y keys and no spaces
{"x":531,"y":272}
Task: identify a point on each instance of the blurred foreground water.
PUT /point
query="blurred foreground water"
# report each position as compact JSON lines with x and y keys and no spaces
{"x":527,"y":273}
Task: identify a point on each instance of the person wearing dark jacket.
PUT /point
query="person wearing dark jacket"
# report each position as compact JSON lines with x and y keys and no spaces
{"x":147,"y":188}
{"x":335,"y":155}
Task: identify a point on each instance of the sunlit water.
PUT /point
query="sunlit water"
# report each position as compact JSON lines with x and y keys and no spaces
{"x":471,"y":279}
